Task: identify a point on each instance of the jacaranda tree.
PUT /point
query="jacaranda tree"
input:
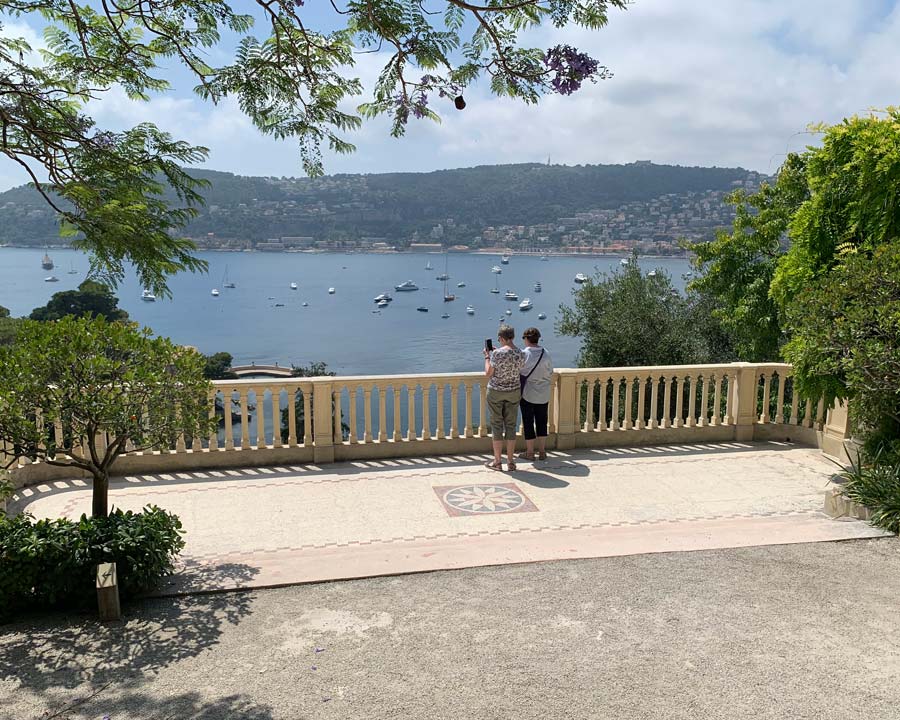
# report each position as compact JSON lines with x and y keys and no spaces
{"x":81,"y":392}
{"x":293,"y":80}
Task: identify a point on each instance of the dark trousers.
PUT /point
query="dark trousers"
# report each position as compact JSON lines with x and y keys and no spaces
{"x":534,"y":419}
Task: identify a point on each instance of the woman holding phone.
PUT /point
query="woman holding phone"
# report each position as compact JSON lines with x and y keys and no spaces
{"x":504,"y":391}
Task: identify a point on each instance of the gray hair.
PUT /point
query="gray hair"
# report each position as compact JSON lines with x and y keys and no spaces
{"x":506,"y":332}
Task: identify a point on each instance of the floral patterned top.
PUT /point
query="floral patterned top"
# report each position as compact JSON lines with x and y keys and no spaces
{"x":507,"y":362}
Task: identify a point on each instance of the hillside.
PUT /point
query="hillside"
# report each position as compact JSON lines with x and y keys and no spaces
{"x":397,"y":205}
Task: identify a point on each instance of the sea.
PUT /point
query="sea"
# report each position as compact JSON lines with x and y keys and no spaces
{"x":263,"y":320}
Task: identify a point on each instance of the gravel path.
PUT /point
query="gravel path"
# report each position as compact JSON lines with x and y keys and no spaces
{"x":796,"y":631}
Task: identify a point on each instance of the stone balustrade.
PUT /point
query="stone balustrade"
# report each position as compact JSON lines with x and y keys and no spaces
{"x":282,"y":421}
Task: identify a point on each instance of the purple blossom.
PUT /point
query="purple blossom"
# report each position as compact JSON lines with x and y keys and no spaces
{"x":570,"y":67}
{"x":420,"y":105}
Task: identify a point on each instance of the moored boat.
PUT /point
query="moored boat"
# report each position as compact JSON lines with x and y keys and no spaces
{"x":148,"y":296}
{"x":331,"y":291}
{"x":214,"y":292}
{"x":526,"y":304}
{"x":470,"y":309}
{"x":537,"y":287}
{"x":46,"y":262}
{"x":581,"y":278}
{"x":496,"y":269}
{"x":422,"y":308}
{"x":407,"y":286}
{"x":51,"y":278}
{"x":542,"y":316}
{"x":293,"y":286}
{"x":505,"y":260}
{"x":510,"y":295}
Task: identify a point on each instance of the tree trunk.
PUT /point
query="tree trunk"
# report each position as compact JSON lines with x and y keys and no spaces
{"x":100,"y":495}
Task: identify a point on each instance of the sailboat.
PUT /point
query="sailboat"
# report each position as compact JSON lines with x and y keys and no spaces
{"x":226,"y":282}
{"x":496,"y":289}
{"x":448,"y":297}
{"x":71,"y":270}
{"x":46,"y":262}
{"x":428,"y":265}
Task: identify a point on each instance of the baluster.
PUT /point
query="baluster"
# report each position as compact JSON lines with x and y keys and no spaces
{"x":614,"y":420}
{"x":807,"y":414}
{"x":629,"y":390}
{"x":467,"y":387}
{"x":367,"y":414}
{"x":59,"y":439}
{"x":667,"y":402}
{"x":795,"y":404}
{"x":352,"y":396}
{"x":292,"y":415}
{"x":426,"y":415}
{"x":589,"y":410}
{"x":820,"y":414}
{"x":214,"y":434}
{"x":337,"y":398}
{"x":692,"y":402}
{"x":703,"y":420}
{"x":454,"y":410}
{"x":306,"y":393}
{"x":779,"y":403}
{"x":678,"y":384}
{"x":654,"y":402}
{"x":551,"y":409}
{"x":640,"y":420}
{"x":261,"y":418}
{"x":600,"y":425}
{"x":276,"y":417}
{"x":382,"y":413}
{"x":227,"y":405}
{"x":395,"y":391}
{"x":764,"y":415}
{"x":439,"y":391}
{"x":717,"y":381}
{"x":411,"y":433}
{"x":729,"y":398}
{"x":245,"y":419}
{"x":482,"y":409}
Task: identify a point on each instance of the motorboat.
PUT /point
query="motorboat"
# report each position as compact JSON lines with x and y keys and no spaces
{"x":445,"y":315}
{"x":543,"y":258}
{"x":279,"y":304}
{"x":510,"y":295}
{"x":623,"y":261}
{"x":407,"y":286}
{"x":422,"y":308}
{"x":509,"y":312}
{"x":306,"y":304}
{"x":214,"y":292}
{"x":537,"y":287}
{"x":581,"y":278}
{"x":46,"y":262}
{"x":51,"y":278}
{"x":460,"y":284}
{"x":331,"y":291}
{"x":505,"y":260}
{"x":652,"y":273}
{"x":495,"y":291}
{"x":542,"y":316}
{"x":148,"y":296}
{"x":384,"y":296}
{"x":470,"y":309}
{"x":293,"y":286}
{"x":526,"y":304}
{"x":442,"y":276}
{"x":497,"y":269}
{"x":382,"y":303}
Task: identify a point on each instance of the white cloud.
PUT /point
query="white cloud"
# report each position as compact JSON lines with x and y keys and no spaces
{"x":732,"y":82}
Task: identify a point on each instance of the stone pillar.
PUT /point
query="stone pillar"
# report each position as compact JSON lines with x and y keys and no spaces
{"x":836,"y":431}
{"x":744,"y":401}
{"x":108,"y":593}
{"x":567,"y":423}
{"x":323,"y":420}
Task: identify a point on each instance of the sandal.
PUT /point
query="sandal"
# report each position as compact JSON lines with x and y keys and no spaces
{"x":526,"y":456}
{"x":491,"y":465}
{"x":542,"y":456}
{"x":511,"y":466}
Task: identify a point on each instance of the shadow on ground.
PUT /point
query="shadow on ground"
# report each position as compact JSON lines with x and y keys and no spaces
{"x":66,"y":651}
{"x":104,"y":702}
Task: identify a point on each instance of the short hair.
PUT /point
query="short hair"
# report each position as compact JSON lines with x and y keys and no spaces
{"x":506,"y":332}
{"x":532,"y":334}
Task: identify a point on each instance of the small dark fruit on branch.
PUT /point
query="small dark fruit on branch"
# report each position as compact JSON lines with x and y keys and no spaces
{"x":459,"y":102}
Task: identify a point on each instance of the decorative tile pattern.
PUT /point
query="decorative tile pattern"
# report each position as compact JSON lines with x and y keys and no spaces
{"x":483,"y":499}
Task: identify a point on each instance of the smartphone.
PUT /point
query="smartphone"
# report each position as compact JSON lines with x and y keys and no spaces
{"x":488,"y":345}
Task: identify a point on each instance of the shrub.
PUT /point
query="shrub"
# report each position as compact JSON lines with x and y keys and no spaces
{"x":52,"y":563}
{"x":877,"y":486}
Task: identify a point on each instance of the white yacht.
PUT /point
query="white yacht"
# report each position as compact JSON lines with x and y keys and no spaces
{"x":509,"y":312}
{"x":505,"y":260}
{"x":407,"y":286}
{"x":382,"y":303}
{"x":652,"y":273}
{"x":510,"y":295}
{"x":445,"y":315}
{"x":497,"y":269}
{"x":526,"y":304}
{"x":293,"y":286}
{"x":495,"y":291}
{"x":51,"y":278}
{"x":623,"y":261}
{"x":470,"y":309}
{"x":383,"y":297}
{"x":331,"y":291}
{"x":148,"y":296}
{"x":581,"y":278}
{"x":460,"y":284}
{"x":542,"y":316}
{"x":214,"y":292}
{"x":442,"y":276}
{"x":306,"y":304}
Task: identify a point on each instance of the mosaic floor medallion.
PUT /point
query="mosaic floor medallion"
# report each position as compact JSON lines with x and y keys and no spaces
{"x":483,"y":499}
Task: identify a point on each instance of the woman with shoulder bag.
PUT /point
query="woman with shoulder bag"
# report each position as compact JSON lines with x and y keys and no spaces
{"x":537,"y":374}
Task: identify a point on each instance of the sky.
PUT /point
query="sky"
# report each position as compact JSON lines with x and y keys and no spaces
{"x":696,"y":82}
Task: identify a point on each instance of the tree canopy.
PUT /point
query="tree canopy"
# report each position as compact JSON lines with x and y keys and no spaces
{"x":91,"y":299}
{"x":292,"y":80}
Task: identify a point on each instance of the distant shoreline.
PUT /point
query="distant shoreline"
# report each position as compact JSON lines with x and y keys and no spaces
{"x":363,"y":251}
